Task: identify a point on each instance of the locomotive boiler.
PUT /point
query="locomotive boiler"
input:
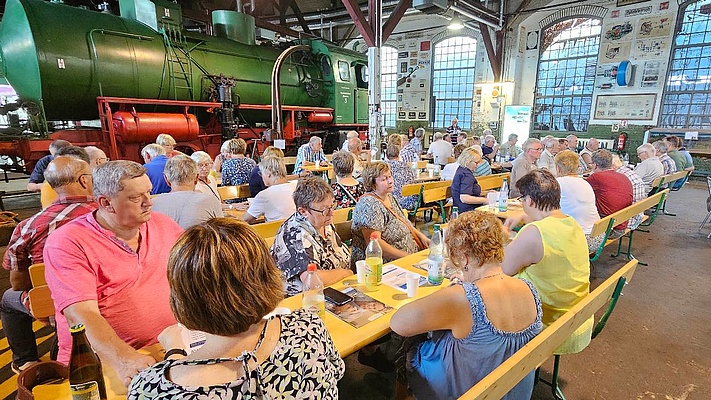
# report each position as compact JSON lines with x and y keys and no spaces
{"x":142,"y":74}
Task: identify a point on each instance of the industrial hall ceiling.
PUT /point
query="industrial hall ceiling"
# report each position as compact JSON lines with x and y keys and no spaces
{"x":334,"y":19}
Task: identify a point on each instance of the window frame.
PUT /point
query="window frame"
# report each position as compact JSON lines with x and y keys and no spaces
{"x":461,"y":107}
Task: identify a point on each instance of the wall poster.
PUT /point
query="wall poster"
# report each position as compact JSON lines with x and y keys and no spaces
{"x":638,"y":107}
{"x":414,"y":79}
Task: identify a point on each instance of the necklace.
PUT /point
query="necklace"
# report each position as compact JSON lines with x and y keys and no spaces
{"x":487,"y":276}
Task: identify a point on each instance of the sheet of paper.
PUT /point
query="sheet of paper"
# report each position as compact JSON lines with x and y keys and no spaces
{"x":396,"y":277}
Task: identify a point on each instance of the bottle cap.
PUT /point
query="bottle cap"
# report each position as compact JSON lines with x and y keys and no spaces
{"x":374,"y":235}
{"x":436,"y":227}
{"x":76,"y":328}
{"x":311,"y":267}
{"x":455,"y":208}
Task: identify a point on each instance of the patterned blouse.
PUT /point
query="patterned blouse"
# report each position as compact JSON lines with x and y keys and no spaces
{"x":297,"y":244}
{"x":347,"y":196}
{"x":304,"y":365}
{"x":403,"y":175}
{"x":235,"y":171}
{"x":371,"y":213}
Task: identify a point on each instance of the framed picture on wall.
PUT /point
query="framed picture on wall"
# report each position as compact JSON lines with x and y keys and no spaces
{"x":621,"y":3}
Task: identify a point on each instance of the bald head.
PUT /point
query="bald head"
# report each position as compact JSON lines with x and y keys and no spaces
{"x":96,"y":156}
{"x":69,"y":176}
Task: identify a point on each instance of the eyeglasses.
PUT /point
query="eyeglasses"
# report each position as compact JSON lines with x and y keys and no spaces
{"x":326,"y":211}
{"x":102,"y":160}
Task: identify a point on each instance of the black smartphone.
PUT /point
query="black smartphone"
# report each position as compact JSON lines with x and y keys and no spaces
{"x":336,"y":297}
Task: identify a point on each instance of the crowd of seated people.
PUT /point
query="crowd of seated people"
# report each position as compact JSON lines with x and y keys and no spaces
{"x":123,"y":257}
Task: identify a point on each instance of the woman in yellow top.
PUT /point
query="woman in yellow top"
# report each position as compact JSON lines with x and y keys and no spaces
{"x":550,"y":251}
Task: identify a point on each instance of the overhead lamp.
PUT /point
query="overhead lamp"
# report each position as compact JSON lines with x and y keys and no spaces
{"x":455,"y":23}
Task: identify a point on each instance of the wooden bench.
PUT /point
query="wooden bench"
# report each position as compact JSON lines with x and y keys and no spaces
{"x":604,"y":226}
{"x":233,"y":192}
{"x":41,"y":303}
{"x":501,"y":380}
{"x":673,"y":182}
{"x":492,"y":182}
{"x":268,"y":229}
{"x":419,"y":189}
{"x":342,"y":215}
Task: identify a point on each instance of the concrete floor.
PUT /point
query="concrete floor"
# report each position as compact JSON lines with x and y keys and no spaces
{"x":656,"y":343}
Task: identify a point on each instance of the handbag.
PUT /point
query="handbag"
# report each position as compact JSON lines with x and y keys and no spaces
{"x":413,"y":233}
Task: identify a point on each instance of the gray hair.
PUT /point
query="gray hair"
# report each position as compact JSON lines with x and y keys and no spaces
{"x":438,"y":135}
{"x":273,"y":165}
{"x":549,"y":142}
{"x":201,"y":157}
{"x":73,"y":151}
{"x":165,"y":139}
{"x":314,"y":139}
{"x":477,"y":148}
{"x":311,"y":190}
{"x":419,"y":132}
{"x":530,"y":142}
{"x":602,"y":158}
{"x":58,"y":177}
{"x":351,"y":134}
{"x":662,"y":146}
{"x":153,"y":150}
{"x":181,"y":169}
{"x":343,"y":163}
{"x":94,"y":152}
{"x":513,"y":136}
{"x":108,"y":177}
{"x":486,"y":132}
{"x":647,"y":148}
{"x":58,"y":144}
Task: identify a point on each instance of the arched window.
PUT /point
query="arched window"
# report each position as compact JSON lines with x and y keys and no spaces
{"x":388,"y":73}
{"x":566,"y":75}
{"x":687,"y":95}
{"x":453,"y":81}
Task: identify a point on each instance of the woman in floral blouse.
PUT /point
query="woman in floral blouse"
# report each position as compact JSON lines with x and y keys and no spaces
{"x":236,"y":170}
{"x":403,"y":175}
{"x":308,"y":237}
{"x":227,"y":294}
{"x":347,"y":190}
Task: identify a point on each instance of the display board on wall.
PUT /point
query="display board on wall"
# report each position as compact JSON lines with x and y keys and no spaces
{"x":639,"y":107}
{"x":414,"y":66}
{"x":517,"y":119}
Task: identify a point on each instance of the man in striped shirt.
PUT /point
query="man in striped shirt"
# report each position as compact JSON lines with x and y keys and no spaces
{"x":71,"y":179}
{"x":310,"y":153}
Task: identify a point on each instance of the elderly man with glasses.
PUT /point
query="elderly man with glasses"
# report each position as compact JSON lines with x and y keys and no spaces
{"x":70,"y":178}
{"x":524,"y":163}
{"x":308,"y":237}
{"x":650,"y":168}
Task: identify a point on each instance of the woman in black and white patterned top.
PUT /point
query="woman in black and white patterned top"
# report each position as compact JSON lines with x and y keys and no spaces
{"x":236,"y":170}
{"x":226,"y":294}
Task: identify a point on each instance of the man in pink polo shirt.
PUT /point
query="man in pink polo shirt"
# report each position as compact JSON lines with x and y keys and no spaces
{"x":107,"y":270}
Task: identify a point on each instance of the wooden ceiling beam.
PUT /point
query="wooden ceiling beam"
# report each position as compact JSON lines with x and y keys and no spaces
{"x":495,"y":57}
{"x":395,"y":18}
{"x":359,"y":19}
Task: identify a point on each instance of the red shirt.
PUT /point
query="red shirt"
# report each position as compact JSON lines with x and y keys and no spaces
{"x":28,"y":238}
{"x":613,"y":192}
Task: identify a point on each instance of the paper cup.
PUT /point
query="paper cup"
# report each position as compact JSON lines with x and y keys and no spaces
{"x":360,"y":270}
{"x":492,"y":198}
{"x":413,"y":282}
{"x":430,"y":172}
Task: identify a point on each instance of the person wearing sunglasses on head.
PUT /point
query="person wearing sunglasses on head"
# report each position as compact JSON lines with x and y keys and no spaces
{"x":308,"y":237}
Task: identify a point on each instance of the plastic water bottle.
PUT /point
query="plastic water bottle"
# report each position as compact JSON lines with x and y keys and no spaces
{"x":435,"y":269}
{"x":312,"y":297}
{"x":455,"y":214}
{"x":504,"y":196}
{"x":373,"y":263}
{"x":627,"y":159}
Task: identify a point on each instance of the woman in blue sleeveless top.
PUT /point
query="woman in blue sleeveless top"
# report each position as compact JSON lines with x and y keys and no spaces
{"x":474,"y":326}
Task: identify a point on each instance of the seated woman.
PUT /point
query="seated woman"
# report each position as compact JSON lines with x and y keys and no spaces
{"x":256,"y":183}
{"x":378,"y":211}
{"x":483,"y":168}
{"x":275,"y":202}
{"x":236,"y":169}
{"x":402,"y":174}
{"x":550,"y":251}
{"x":308,"y":237}
{"x":245,"y":354}
{"x":220,"y":158}
{"x":577,"y":198}
{"x":466,"y":192}
{"x":475,"y":325}
{"x":206,"y":182}
{"x":346,"y":190}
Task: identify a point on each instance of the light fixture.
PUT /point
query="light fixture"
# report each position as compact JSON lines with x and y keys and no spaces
{"x":455,"y":23}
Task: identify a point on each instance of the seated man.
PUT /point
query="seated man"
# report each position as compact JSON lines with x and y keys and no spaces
{"x":490,"y":148}
{"x":613,"y":191}
{"x":650,"y":168}
{"x":107,"y":270}
{"x":183,"y":204}
{"x":310,"y":153}
{"x":586,"y":154}
{"x":96,"y":156}
{"x":524,"y":163}
{"x":440,"y":149}
{"x":355,"y":147}
{"x":37,"y":177}
{"x":155,"y":159}
{"x":47,"y":194}
{"x":71,"y":180}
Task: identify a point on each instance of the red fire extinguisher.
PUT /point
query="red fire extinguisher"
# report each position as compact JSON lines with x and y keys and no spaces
{"x":621,"y":139}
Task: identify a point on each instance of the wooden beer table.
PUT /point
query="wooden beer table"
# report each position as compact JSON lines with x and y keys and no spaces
{"x":511,"y":210}
{"x":347,"y":338}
